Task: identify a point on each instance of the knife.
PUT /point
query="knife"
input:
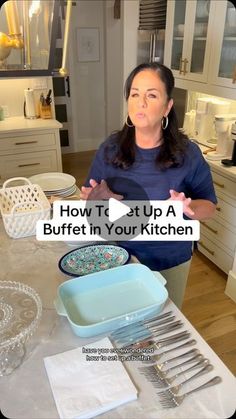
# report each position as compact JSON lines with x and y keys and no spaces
{"x":155,"y":331}
{"x":123,"y":329}
{"x":148,"y":343}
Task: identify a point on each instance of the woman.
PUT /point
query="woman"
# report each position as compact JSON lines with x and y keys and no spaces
{"x":151,"y":151}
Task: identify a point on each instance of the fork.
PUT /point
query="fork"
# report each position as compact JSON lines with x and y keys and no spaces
{"x":170,"y":360}
{"x":151,"y":343}
{"x":162,"y":382}
{"x":174,"y":390}
{"x":157,"y":357}
{"x":157,"y":369}
{"x":177,"y":400}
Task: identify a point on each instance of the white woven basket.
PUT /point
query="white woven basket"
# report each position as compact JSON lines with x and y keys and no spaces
{"x":21,"y":207}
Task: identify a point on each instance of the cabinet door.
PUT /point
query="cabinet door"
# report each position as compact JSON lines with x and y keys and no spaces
{"x":176,"y":39}
{"x":28,"y":35}
{"x":187,"y":49}
{"x":223,"y":59}
{"x":200,"y":27}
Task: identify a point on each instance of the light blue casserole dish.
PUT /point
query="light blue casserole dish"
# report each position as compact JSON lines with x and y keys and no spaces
{"x":104,"y":301}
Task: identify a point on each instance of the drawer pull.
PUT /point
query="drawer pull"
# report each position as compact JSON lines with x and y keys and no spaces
{"x":181,"y":71}
{"x":209,"y":228}
{"x":221,"y":185}
{"x":29,"y":164}
{"x":234,"y":75}
{"x":218,"y":209}
{"x":185,"y":66}
{"x":26,"y":142}
{"x":206,"y":248}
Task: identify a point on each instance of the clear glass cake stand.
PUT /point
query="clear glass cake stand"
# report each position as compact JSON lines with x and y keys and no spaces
{"x":20,"y":314}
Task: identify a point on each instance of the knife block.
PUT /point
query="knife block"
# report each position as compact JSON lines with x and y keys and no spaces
{"x":45,"y":111}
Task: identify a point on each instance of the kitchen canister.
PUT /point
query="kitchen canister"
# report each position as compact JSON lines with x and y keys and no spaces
{"x":189,"y":123}
{"x":29,"y":104}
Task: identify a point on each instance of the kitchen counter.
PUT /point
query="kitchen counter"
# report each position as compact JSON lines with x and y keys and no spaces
{"x":26,"y":393}
{"x":19,"y":123}
{"x":29,"y":147}
{"x":229,"y":172}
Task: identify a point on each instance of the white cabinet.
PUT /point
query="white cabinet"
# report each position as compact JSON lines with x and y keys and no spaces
{"x":188,"y":30}
{"x":33,"y":147}
{"x":218,"y":235}
{"x":223,"y":60}
{"x":200,"y":45}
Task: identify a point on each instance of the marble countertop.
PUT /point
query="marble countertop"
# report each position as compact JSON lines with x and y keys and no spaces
{"x":26,"y":393}
{"x":229,"y":172}
{"x":19,"y":123}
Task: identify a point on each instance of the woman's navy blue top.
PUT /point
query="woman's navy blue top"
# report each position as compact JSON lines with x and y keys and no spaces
{"x":193,"y":177}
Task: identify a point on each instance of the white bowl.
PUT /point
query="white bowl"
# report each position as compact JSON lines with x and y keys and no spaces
{"x":202,"y":9}
{"x":200,"y":29}
{"x":231,"y":17}
{"x":180,"y":29}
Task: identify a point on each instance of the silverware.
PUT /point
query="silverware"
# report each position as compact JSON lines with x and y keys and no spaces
{"x":174,"y":390}
{"x":149,"y":333}
{"x":161,"y":319}
{"x":170,"y":360}
{"x":135,"y":327}
{"x":177,"y":400}
{"x":151,"y":343}
{"x":158,"y":370}
{"x":157,"y":357}
{"x":161,"y":381}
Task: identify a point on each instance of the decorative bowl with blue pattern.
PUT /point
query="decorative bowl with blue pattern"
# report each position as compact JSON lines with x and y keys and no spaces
{"x":93,"y":258}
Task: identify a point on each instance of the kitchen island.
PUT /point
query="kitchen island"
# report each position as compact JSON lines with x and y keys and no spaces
{"x":29,"y":147}
{"x":26,"y":393}
{"x":218,"y":234}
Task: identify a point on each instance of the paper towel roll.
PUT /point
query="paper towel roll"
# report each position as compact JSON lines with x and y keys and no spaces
{"x":29,"y":104}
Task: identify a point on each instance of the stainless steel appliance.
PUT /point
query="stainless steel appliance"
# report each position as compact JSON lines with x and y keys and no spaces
{"x":232,"y":161}
{"x":151,"y":30}
{"x":151,"y":45}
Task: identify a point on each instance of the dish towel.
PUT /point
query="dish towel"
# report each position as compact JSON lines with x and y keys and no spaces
{"x":84,"y":388}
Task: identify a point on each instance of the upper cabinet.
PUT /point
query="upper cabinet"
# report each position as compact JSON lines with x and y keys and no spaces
{"x":28,"y":31}
{"x":224,"y":57}
{"x":188,"y":38}
{"x":200,"y":45}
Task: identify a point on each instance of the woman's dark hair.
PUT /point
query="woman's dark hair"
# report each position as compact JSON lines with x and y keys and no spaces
{"x":175,"y":142}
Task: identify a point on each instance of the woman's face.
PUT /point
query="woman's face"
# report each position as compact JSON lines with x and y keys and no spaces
{"x":147,"y":101}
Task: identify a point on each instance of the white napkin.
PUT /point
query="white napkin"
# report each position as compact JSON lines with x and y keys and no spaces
{"x":84,"y":389}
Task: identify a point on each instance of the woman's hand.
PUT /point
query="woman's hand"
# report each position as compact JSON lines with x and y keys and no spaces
{"x":85,"y":191}
{"x":180,"y":196}
{"x":98,"y":192}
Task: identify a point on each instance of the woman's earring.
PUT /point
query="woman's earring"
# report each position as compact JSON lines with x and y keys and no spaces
{"x":126,"y":121}
{"x":164,"y":122}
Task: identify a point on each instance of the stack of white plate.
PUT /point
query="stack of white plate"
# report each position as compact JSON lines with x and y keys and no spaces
{"x":55,"y":183}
